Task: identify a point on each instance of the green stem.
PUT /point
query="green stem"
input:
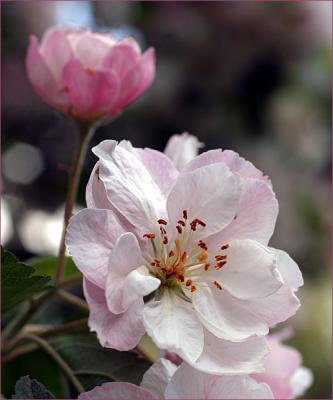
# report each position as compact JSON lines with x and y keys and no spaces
{"x":86,"y":131}
{"x":55,"y":356}
{"x":72,"y":299}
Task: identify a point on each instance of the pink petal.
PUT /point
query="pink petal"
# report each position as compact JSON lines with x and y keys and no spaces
{"x":121,"y":332}
{"x":224,"y":357}
{"x":95,"y":191}
{"x":117,"y":391}
{"x":56,"y":51}
{"x":158,"y":376}
{"x":206,"y":386}
{"x":90,"y":91}
{"x":210,"y":194}
{"x":173,"y":325}
{"x":90,"y":237}
{"x":181,"y":149}
{"x":91,"y":50}
{"x":41,"y":77}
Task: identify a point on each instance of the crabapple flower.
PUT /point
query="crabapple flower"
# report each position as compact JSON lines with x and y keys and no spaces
{"x":165,"y":381}
{"x":87,"y":75}
{"x":283,"y":371}
{"x":183,"y":256}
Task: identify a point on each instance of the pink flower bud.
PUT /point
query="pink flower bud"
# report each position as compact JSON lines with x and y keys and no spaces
{"x":87,"y":75}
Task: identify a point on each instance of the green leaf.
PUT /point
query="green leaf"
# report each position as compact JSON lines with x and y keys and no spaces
{"x":94,"y":365}
{"x":28,"y":388}
{"x":18,"y":282}
{"x":48,"y":266}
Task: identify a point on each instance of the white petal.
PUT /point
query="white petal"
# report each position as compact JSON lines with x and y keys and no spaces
{"x":222,"y":357}
{"x":210,"y":194}
{"x":182,"y":148}
{"x":289,"y":270}
{"x":188,"y":383}
{"x":95,"y":191}
{"x":173,"y":325}
{"x":301,"y":381}
{"x":90,"y":237}
{"x":225,"y":316}
{"x":117,"y":391}
{"x":157,"y":377}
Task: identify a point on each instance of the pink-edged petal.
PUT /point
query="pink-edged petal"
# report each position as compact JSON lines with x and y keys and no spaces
{"x":301,"y":381}
{"x":126,"y":284}
{"x":289,"y":270}
{"x":222,"y":357}
{"x":122,"y":57}
{"x":250,"y":271}
{"x":117,"y":391}
{"x":230,"y":158}
{"x":56,"y":51}
{"x":256,"y":215}
{"x":173,"y":325}
{"x":210,"y":194}
{"x":181,"y":149}
{"x":130,"y":187}
{"x":138,"y":79}
{"x":42,"y":78}
{"x":121,"y":332}
{"x":91,"y":234}
{"x":96,"y":192}
{"x":188,"y":383}
{"x":225,"y":316}
{"x":90,"y":91}
{"x":91,"y":50}
{"x":156,"y":379}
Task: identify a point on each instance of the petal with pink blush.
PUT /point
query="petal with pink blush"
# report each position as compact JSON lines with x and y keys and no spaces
{"x":221,"y":357}
{"x":173,"y":325}
{"x":91,"y":50}
{"x":91,"y":234}
{"x":289,"y":270}
{"x":200,"y":385}
{"x":210,"y":194}
{"x":117,"y":391}
{"x":250,"y":271}
{"x":56,"y":51}
{"x":95,"y":191}
{"x":130,"y":187}
{"x":181,"y":149}
{"x":256,"y":215}
{"x":225,"y":316}
{"x":125,"y":283}
{"x":156,"y":379}
{"x":90,"y":91}
{"x":121,"y":332}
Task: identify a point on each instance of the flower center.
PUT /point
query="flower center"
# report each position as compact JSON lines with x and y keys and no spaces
{"x":183,"y":261}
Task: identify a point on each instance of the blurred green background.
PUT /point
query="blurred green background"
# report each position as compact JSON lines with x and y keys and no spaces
{"x":254,"y":77}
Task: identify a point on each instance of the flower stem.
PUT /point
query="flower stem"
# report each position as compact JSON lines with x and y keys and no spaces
{"x":85,"y":131}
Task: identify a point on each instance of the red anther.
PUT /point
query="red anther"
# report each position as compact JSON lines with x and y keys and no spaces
{"x":181,"y":222}
{"x":183,"y":257}
{"x":162,"y":222}
{"x":193,"y":289}
{"x":218,"y":285}
{"x":179,"y":229}
{"x":157,"y":261}
{"x":152,"y":264}
{"x":193,"y":224}
{"x":225,"y":247}
{"x":149,"y":235}
{"x":220,"y":264}
{"x":181,"y":278}
{"x":188,"y":282}
{"x":171,"y":253}
{"x":185,"y":214}
{"x":220,"y":258}
{"x":201,"y":223}
{"x":206,"y":266}
{"x":202,"y":245}
{"x":165,"y":240}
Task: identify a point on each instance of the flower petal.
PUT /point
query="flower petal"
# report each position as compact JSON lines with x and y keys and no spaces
{"x":156,"y":379}
{"x":90,"y":237}
{"x":95,"y":191}
{"x":117,"y":391}
{"x":173,"y":326}
{"x":129,"y":186}
{"x":206,"y":386}
{"x":210,"y":194}
{"x":91,"y":49}
{"x":222,"y":357}
{"x":225,"y":316}
{"x":181,"y":149}
{"x":90,"y":91}
{"x":301,"y":381}
{"x":121,"y":332}
{"x":250,"y":271}
{"x":289,"y":270}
